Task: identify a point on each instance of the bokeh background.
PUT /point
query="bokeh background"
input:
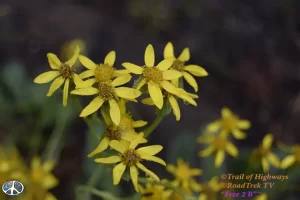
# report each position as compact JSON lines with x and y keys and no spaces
{"x":249,"y":48}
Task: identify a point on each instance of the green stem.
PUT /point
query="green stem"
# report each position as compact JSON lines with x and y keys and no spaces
{"x":102,"y":194}
{"x":158,"y":119}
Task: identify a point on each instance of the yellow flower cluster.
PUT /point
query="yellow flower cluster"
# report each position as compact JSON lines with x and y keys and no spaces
{"x":37,"y":178}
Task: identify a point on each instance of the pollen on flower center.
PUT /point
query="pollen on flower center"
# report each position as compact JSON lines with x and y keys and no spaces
{"x":229,"y":122}
{"x":106,"y":91}
{"x":126,"y":123}
{"x":113,"y":133}
{"x":37,"y":175}
{"x":178,"y":65}
{"x":104,"y":72}
{"x":261,"y":152}
{"x":182,"y":171}
{"x":130,"y":157}
{"x":219,"y":143}
{"x":153,"y":74}
{"x":66,"y":71}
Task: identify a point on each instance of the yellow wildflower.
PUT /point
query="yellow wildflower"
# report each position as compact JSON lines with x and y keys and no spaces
{"x":184,"y":176}
{"x":155,"y":77}
{"x":264,"y":153}
{"x":291,"y":159}
{"x":62,"y":73}
{"x":101,"y":72}
{"x":229,"y":123}
{"x":108,"y":92}
{"x":40,"y":180}
{"x":124,"y":132}
{"x":179,"y":65}
{"x":210,"y":190}
{"x":181,"y":93}
{"x":154,"y":192}
{"x":218,"y":144}
{"x":131,"y":157}
{"x":263,"y":196}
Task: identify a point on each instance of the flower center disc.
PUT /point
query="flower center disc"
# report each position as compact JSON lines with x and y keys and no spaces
{"x":126,"y":123}
{"x":106,"y":91}
{"x":66,"y":71}
{"x":220,"y":143}
{"x":130,"y":158}
{"x":183,"y":172}
{"x":177,"y":65}
{"x":230,"y":123}
{"x":153,"y":74}
{"x":104,"y":73}
{"x":113,"y":133}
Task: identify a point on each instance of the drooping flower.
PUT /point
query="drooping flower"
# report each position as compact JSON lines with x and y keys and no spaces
{"x":265,"y":154}
{"x":131,"y":157}
{"x":186,"y":70}
{"x":185,"y":176}
{"x":102,"y":72}
{"x":154,"y":191}
{"x":108,"y":92}
{"x":292,"y":159}
{"x":156,"y":77}
{"x":210,"y":190}
{"x":219,"y":144}
{"x":62,"y":73}
{"x":229,"y":123}
{"x":124,"y":132}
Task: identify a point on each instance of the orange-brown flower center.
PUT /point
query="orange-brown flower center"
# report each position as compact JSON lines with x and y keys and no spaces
{"x":130,"y":157}
{"x":106,"y":91}
{"x":113,"y":133}
{"x":104,"y":72}
{"x":153,"y":74}
{"x":66,"y":71}
{"x":177,"y":65}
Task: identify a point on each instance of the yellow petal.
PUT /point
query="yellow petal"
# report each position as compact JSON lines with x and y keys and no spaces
{"x":35,"y":163}
{"x":169,"y":87}
{"x":147,"y":171}
{"x":150,"y":150}
{"x":238,"y":134}
{"x":57,"y":83}
{"x":164,"y":65}
{"x":114,"y":111}
{"x":153,"y":158}
{"x":156,"y":95}
{"x":273,"y":159}
{"x":73,"y":60}
{"x":139,"y":123}
{"x":196,"y":70}
{"x":148,"y":101}
{"x":133,"y":68}
{"x":141,"y":83}
{"x":190,"y":80}
{"x":121,"y":80}
{"x":226,"y":113}
{"x":122,"y":106}
{"x":49,"y":181}
{"x":187,"y":98}
{"x":171,"y":74}
{"x":175,"y":107}
{"x":110,"y":58}
{"x":288,"y":161}
{"x":169,"y":51}
{"x":46,"y":77}
{"x":108,"y":160}
{"x":50,"y":196}
{"x":101,"y":147}
{"x":196,"y":172}
{"x":214,"y":126}
{"x":243,"y":124}
{"x":87,"y":83}
{"x":66,"y":92}
{"x":149,"y":56}
{"x":232,"y":150}
{"x":53,"y":60}
{"x":127,"y":93}
{"x":118,"y":171}
{"x":106,"y":117}
{"x":93,"y":106}
{"x":116,"y":145}
{"x":120,"y":72}
{"x":202,"y":196}
{"x":185,"y":55}
{"x":265,"y":165}
{"x":134,"y":177}
{"x":207,"y":152}
{"x":49,"y":165}
{"x":86,"y":62}
{"x":267,"y":141}
{"x":219,"y":158}
{"x":136,"y":141}
{"x":85,"y":91}
{"x":77,"y":80}
{"x":87,"y":73}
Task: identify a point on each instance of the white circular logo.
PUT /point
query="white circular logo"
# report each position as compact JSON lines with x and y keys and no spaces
{"x":12,"y":188}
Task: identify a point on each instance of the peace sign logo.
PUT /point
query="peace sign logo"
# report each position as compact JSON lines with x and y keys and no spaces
{"x":12,"y":188}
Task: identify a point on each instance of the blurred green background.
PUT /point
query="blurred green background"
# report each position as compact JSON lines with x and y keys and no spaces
{"x":249,"y":48}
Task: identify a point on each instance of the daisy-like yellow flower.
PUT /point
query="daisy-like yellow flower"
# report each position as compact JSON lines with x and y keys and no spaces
{"x":229,"y":123}
{"x":124,"y":132}
{"x":102,"y":72}
{"x":154,"y":192}
{"x":218,"y":144}
{"x":40,"y":180}
{"x":186,"y":70}
{"x":156,"y":77}
{"x":184,"y":176}
{"x":131,"y":157}
{"x":108,"y":92}
{"x":210,"y":190}
{"x":292,"y":159}
{"x":265,"y":154}
{"x":263,"y":196}
{"x":62,"y":73}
